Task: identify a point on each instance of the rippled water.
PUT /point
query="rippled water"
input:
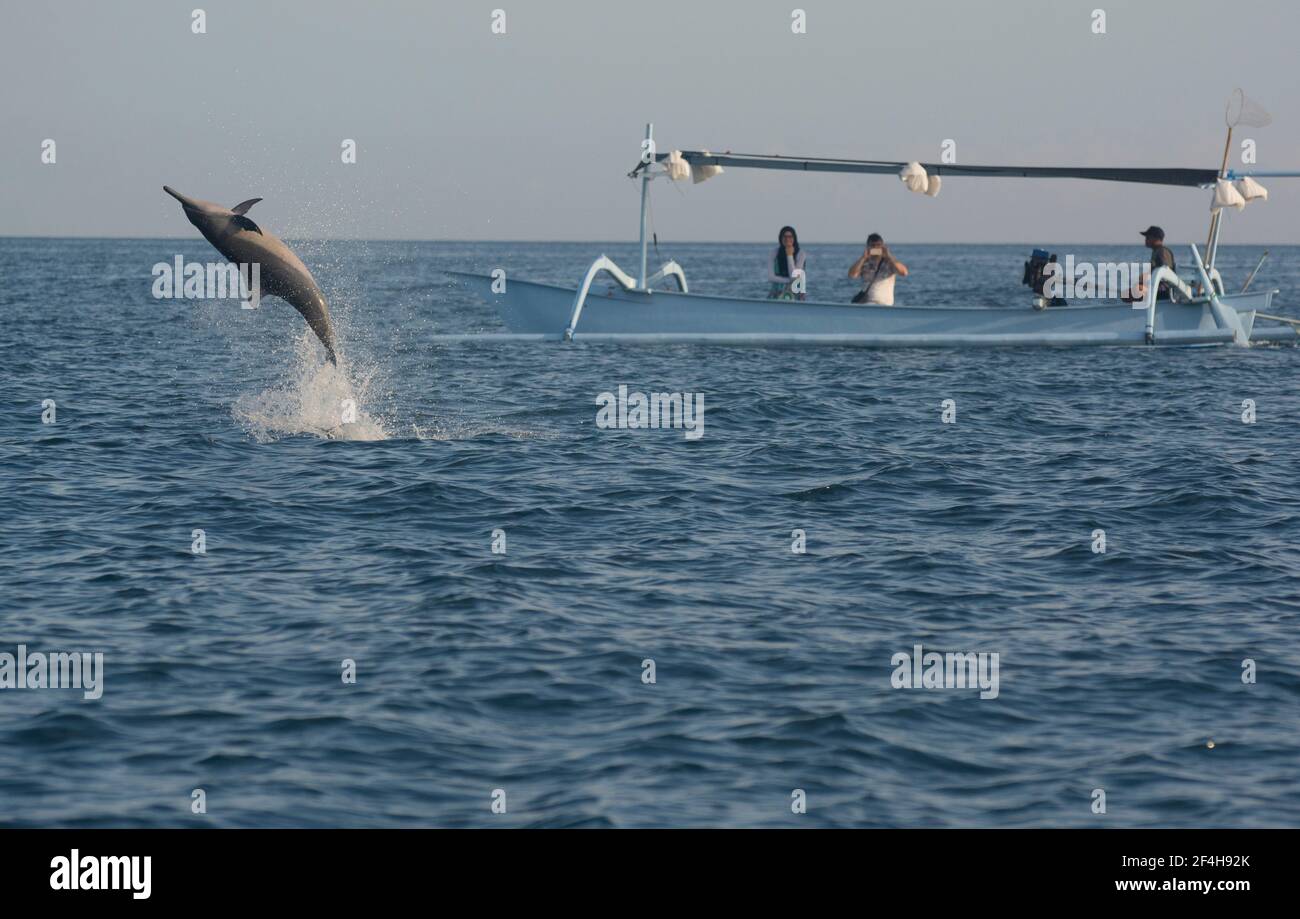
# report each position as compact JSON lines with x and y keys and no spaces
{"x":1120,"y":671}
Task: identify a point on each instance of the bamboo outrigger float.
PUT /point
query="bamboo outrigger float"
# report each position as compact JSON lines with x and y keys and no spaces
{"x":633,"y":309}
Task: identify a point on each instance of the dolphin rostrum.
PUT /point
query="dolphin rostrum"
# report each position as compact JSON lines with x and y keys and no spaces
{"x":283,"y":274}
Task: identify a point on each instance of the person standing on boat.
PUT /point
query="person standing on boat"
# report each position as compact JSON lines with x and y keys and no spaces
{"x":877,"y":268}
{"x":787,"y":275}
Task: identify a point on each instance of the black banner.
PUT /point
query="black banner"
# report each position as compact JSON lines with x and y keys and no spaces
{"x":330,"y":868}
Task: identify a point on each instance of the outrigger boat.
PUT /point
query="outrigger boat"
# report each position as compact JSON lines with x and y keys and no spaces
{"x":634,"y":309}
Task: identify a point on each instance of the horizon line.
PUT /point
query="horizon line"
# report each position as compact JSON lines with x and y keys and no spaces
{"x":633,"y":242}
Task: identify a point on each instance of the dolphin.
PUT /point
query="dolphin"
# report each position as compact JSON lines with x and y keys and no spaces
{"x":283,"y":274}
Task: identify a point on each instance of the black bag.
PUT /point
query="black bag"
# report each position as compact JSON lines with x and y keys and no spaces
{"x":861,"y":296}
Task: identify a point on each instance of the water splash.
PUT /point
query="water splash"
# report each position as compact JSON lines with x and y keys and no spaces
{"x":317,"y":398}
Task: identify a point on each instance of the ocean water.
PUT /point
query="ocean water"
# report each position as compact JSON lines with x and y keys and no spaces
{"x":523,"y":672}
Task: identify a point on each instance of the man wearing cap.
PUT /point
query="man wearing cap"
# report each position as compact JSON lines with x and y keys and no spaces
{"x":877,"y":268}
{"x":1160,"y":255}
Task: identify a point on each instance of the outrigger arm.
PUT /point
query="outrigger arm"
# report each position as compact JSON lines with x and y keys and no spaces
{"x":606,"y":264}
{"x":1225,"y":316}
{"x":1169,"y":276}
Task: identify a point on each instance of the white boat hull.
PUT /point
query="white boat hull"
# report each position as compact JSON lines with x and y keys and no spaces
{"x":617,"y":314}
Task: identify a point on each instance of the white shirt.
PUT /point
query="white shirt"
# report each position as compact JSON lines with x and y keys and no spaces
{"x":800,"y":259}
{"x":878,"y":282}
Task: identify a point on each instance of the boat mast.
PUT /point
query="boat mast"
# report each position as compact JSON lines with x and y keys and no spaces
{"x":1240,"y":110}
{"x":1212,"y":243}
{"x":647,"y":150}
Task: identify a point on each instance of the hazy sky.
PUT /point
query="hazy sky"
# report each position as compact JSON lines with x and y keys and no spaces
{"x":463,"y":134}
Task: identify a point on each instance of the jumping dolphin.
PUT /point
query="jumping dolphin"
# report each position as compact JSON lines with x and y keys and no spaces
{"x":283,"y":273}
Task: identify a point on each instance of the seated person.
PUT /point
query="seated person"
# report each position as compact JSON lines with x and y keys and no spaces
{"x":877,"y":268}
{"x":788,"y":278}
{"x":1160,"y":257}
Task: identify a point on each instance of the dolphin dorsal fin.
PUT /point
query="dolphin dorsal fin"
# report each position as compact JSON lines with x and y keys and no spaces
{"x":243,"y":206}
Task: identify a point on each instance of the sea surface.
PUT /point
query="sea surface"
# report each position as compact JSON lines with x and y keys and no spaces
{"x":1164,"y":671}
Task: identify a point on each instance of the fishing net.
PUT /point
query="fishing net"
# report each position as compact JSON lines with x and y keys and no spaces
{"x":1244,"y":110}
